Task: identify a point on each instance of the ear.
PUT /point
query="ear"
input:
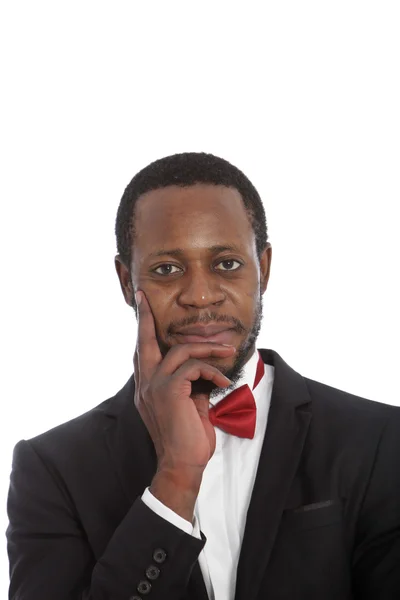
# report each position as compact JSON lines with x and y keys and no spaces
{"x":124,"y":277}
{"x":265,"y":267}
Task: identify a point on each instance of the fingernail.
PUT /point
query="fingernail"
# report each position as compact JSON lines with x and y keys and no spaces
{"x":138,"y":298}
{"x":229,"y":346}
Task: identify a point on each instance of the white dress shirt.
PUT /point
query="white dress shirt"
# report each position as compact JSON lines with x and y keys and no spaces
{"x":225,"y":492}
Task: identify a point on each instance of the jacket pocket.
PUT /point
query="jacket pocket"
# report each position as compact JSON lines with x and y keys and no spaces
{"x":310,"y":516}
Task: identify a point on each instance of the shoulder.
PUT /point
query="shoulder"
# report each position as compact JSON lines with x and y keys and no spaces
{"x":350,"y":417}
{"x":337,"y":417}
{"x":334,"y":400}
{"x":78,"y":435}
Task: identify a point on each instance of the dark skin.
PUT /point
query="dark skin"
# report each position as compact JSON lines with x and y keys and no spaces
{"x":201,"y":284}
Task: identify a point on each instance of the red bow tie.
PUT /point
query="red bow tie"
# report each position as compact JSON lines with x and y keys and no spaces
{"x":236,"y":413}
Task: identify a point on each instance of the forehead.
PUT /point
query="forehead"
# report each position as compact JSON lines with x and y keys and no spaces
{"x":194,"y":217}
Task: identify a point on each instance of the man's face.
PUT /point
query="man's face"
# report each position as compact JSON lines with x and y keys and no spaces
{"x":202,"y":283}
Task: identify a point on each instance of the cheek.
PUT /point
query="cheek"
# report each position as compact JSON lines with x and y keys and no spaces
{"x":161,"y":312}
{"x":253,"y":308}
{"x":158,"y":298}
{"x":250,"y":300}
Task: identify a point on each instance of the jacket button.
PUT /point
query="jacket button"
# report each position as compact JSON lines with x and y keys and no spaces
{"x":159,"y":555}
{"x":152,"y":572}
{"x":144,"y":587}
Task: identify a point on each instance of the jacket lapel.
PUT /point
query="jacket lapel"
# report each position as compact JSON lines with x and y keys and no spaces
{"x":134,"y":458}
{"x":288,"y":421}
{"x":129,"y":443}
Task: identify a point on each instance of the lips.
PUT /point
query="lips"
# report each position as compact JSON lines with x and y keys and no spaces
{"x":212,"y":333}
{"x":203,"y":330}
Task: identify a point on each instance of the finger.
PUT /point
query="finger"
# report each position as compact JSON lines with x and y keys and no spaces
{"x":136,"y":371}
{"x":180,"y":353}
{"x":194,"y":369}
{"x":149,"y":355}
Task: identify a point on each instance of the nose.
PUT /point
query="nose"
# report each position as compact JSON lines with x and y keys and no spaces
{"x":199,"y":289}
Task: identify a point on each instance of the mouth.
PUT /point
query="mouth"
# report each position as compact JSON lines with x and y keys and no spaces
{"x":223,"y":337}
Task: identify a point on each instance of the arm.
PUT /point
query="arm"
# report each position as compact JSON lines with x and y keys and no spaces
{"x":50,"y":556}
{"x":376,"y":561}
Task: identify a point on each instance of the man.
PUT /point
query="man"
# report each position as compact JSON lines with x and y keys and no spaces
{"x":217,"y":470}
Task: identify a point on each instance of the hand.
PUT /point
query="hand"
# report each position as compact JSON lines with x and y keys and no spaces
{"x":179,"y":426}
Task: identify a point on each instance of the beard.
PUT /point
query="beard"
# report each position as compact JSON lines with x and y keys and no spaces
{"x":241,"y":356}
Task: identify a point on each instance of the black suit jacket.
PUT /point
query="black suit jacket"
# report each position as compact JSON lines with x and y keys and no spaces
{"x":323,"y":521}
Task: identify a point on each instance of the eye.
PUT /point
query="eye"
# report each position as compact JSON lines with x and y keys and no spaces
{"x":165,"y":266}
{"x":229,"y":262}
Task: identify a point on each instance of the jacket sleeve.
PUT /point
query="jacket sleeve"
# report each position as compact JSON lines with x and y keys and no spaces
{"x":376,"y":564}
{"x":50,"y":557}
{"x":166,"y":513}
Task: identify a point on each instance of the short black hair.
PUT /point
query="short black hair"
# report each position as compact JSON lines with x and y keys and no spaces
{"x":184,"y":170}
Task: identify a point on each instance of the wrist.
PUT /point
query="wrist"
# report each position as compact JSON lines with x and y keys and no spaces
{"x":178,"y":490}
{"x":187,"y":480}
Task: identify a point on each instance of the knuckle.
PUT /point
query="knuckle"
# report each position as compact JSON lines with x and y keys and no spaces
{"x":194,"y":362}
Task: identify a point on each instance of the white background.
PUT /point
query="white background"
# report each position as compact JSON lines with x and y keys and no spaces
{"x":302,"y":96}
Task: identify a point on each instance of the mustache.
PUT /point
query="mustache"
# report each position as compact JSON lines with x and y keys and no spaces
{"x":231,"y":322}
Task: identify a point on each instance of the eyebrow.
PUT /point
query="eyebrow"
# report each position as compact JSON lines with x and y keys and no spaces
{"x":179,"y":252}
